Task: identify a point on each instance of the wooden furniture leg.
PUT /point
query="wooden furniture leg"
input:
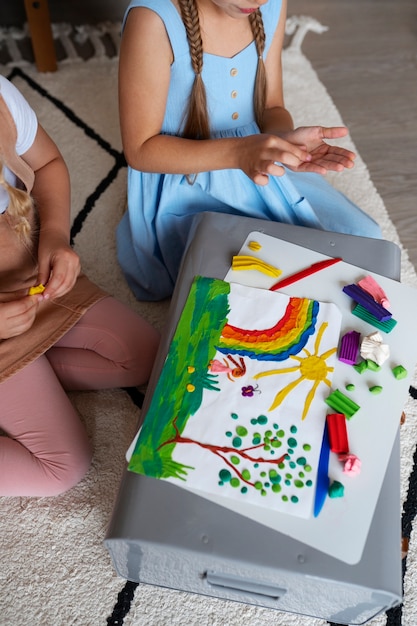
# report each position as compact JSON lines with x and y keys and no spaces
{"x":37,"y":13}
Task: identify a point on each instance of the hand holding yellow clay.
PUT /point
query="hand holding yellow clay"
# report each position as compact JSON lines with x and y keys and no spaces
{"x":38,"y":289}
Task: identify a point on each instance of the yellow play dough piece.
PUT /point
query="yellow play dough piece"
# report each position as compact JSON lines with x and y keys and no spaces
{"x":38,"y":289}
{"x":242,"y":262}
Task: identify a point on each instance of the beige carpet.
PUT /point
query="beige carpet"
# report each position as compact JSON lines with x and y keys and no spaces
{"x":54,"y":569}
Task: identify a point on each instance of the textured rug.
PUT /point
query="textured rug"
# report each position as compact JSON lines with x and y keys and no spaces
{"x":54,"y":569}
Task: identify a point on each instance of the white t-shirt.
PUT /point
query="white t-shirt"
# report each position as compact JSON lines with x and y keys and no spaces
{"x":26,"y":125}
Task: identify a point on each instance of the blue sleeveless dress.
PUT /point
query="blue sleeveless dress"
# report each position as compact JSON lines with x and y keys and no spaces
{"x":152,"y":233}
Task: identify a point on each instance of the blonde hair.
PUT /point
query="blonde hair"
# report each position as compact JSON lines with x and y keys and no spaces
{"x":19,"y":209}
{"x":197,"y":125}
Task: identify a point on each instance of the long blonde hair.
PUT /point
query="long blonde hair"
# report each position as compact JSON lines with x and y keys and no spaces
{"x":197,"y":125}
{"x":19,"y":209}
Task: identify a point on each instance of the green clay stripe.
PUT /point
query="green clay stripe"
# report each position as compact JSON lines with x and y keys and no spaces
{"x":364,"y":315}
{"x":342,"y":404}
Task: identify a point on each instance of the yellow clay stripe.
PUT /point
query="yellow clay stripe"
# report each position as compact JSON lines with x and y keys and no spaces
{"x":242,"y":262}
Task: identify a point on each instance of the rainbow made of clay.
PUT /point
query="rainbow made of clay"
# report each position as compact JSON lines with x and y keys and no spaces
{"x":287,"y":337}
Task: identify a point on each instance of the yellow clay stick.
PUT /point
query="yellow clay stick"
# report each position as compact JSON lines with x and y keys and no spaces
{"x":242,"y":262}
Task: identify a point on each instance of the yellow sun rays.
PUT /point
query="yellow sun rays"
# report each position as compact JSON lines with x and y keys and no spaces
{"x":311,"y":367}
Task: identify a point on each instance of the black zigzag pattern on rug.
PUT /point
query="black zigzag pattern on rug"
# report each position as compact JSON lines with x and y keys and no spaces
{"x":123,"y":604}
{"x":394,"y":616}
{"x":126,"y":595}
{"x":118,"y":156}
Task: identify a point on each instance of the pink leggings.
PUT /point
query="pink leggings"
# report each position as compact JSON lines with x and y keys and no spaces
{"x":44,"y":449}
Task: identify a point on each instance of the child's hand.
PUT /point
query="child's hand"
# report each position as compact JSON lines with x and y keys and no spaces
{"x":324,"y":157}
{"x":17,"y":316}
{"x":261,"y":156}
{"x":59,"y":265}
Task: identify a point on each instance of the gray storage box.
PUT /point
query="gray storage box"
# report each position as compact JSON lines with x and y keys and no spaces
{"x":163,"y":535}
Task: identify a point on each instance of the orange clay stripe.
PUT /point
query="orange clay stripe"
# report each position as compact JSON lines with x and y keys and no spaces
{"x":287,"y":330}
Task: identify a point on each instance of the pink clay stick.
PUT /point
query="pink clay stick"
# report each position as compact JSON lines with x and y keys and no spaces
{"x":375,"y":290}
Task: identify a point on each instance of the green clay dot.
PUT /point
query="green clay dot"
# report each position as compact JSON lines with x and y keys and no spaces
{"x":235,"y":460}
{"x":298,"y":483}
{"x":237,"y":442}
{"x":350,"y":387}
{"x":292,"y":442}
{"x":262,"y":419}
{"x":235,"y":482}
{"x":281,"y":465}
{"x":274,"y":477}
{"x":258,"y":485}
{"x":244,"y":490}
{"x":307,"y":447}
{"x":307,"y":468}
{"x":336,"y":490}
{"x":276,"y":488}
{"x":301,"y":460}
{"x":309,"y":483}
{"x":234,"y":416}
{"x":246,"y":474}
{"x":225,"y":475}
{"x":263,"y":474}
{"x":293,"y":429}
{"x":288,"y":475}
{"x":301,"y":474}
{"x":375,"y":390}
{"x":399,"y":372}
{"x":276,"y":444}
{"x":267,"y":448}
{"x":268,"y":433}
{"x":285,"y":498}
{"x":241,"y":431}
{"x":263,"y":492}
{"x":294,"y":499}
{"x":281,"y":433}
{"x":229,"y":433}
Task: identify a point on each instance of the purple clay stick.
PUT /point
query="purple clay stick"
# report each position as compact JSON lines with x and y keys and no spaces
{"x":349,"y":347}
{"x":363,"y":298}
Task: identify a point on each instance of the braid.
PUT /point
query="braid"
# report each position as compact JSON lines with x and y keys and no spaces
{"x":259,"y":96}
{"x":18,"y":211}
{"x":197,"y":123}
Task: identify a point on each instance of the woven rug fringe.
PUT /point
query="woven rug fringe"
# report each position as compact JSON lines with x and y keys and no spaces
{"x":102,"y":40}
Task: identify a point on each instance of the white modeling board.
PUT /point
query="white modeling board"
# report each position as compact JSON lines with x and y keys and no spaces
{"x":342,"y":527}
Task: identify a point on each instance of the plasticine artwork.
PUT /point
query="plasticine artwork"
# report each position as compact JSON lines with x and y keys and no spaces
{"x":239,"y":408}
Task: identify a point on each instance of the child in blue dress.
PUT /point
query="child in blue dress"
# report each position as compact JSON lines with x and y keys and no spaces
{"x":204,"y":128}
